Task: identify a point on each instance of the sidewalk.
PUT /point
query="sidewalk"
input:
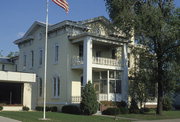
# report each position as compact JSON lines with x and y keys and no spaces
{"x":4,"y":119}
{"x":165,"y":120}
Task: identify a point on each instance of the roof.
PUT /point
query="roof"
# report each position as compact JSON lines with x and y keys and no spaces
{"x":5,"y":60}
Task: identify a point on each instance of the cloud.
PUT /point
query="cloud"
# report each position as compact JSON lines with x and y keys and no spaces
{"x":20,"y":34}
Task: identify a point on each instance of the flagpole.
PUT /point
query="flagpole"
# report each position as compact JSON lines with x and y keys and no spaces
{"x":45,"y":60}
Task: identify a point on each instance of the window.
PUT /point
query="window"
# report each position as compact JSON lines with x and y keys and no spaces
{"x":56,"y":54}
{"x":115,"y":86}
{"x":129,"y":60}
{"x":114,"y":51}
{"x":32,"y":58}
{"x":80,"y":50}
{"x":98,"y":53}
{"x":56,"y":87}
{"x":40,"y":56}
{"x":40,"y":87}
{"x":3,"y":67}
{"x":24,"y":60}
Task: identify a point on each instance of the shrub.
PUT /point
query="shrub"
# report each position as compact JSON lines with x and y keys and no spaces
{"x":25,"y":108}
{"x":167,"y":103}
{"x":89,"y":104}
{"x":144,"y":110}
{"x":134,"y":107}
{"x":71,"y":109}
{"x":122,"y":104}
{"x":111,"y":111}
{"x":53,"y":109}
{"x":124,"y":110}
{"x":1,"y":108}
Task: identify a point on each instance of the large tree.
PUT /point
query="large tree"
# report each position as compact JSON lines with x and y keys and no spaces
{"x":156,"y":24}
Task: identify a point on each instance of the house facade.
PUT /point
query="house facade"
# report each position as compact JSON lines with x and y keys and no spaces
{"x":78,"y":52}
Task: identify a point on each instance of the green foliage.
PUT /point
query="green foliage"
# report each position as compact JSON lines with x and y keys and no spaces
{"x":41,"y":108}
{"x":71,"y":109}
{"x":122,"y":104}
{"x":133,"y":107}
{"x":89,"y":104}
{"x":1,"y":108}
{"x":25,"y":108}
{"x":156,"y":25}
{"x":111,"y":111}
{"x":167,"y":103}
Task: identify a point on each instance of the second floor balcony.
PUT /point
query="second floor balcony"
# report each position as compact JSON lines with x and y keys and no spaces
{"x":97,"y":62}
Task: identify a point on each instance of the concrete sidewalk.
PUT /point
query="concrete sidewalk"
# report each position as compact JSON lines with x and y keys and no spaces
{"x":4,"y":119}
{"x":165,"y":120}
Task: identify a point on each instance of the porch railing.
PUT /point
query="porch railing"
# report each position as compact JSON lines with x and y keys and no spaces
{"x":76,"y":60}
{"x":76,"y":99}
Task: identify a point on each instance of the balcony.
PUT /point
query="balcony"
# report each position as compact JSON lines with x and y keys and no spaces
{"x":97,"y":61}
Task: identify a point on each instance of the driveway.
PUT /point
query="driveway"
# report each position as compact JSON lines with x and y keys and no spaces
{"x":4,"y":119}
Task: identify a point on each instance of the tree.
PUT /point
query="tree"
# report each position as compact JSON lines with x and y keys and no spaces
{"x":141,"y":87}
{"x":156,"y":25}
{"x":89,"y":104}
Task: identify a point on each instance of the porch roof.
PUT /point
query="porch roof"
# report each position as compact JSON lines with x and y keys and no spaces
{"x":7,"y":76}
{"x":99,"y":38}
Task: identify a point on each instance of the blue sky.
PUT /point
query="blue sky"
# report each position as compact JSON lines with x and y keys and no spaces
{"x":18,"y":15}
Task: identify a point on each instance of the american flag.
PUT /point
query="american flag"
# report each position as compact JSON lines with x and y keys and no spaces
{"x":63,"y":4}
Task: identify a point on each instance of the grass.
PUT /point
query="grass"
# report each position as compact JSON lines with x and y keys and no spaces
{"x":56,"y":117}
{"x":152,"y":116}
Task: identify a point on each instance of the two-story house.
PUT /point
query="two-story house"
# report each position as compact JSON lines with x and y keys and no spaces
{"x":77,"y":52}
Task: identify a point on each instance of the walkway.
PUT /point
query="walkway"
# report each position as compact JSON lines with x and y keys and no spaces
{"x":165,"y":120}
{"x":4,"y":119}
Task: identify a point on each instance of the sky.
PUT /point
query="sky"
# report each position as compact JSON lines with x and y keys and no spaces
{"x":16,"y":16}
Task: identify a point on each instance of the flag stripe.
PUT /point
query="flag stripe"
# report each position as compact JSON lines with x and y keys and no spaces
{"x":62,"y":3}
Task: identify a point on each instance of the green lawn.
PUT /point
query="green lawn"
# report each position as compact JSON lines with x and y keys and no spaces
{"x":56,"y":117}
{"x":153,"y":116}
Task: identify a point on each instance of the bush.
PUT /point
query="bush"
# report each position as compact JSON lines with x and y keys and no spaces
{"x":89,"y":104}
{"x":52,"y":109}
{"x":71,"y":109}
{"x":134,"y":107}
{"x":124,"y":110}
{"x":111,"y":111}
{"x":1,"y":108}
{"x":122,"y":104}
{"x":144,"y":110}
{"x":167,"y":104}
{"x":25,"y":108}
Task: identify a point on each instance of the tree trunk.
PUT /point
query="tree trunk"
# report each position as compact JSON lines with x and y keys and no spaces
{"x":160,"y":89}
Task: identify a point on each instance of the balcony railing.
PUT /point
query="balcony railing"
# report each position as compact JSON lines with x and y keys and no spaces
{"x":76,"y":60}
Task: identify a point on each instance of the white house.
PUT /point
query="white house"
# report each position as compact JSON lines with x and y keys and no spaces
{"x":78,"y":52}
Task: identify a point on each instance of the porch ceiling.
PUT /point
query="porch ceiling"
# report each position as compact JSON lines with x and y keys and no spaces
{"x":6,"y":76}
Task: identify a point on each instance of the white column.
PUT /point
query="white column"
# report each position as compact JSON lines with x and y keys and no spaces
{"x":108,"y":85}
{"x":27,"y":95}
{"x":87,"y":59}
{"x":124,"y":84}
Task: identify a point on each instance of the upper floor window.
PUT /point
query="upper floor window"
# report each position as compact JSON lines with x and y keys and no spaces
{"x":40,"y":56}
{"x":98,"y":53}
{"x":80,"y":50}
{"x":56,"y":87}
{"x":56,"y":53}
{"x":114,"y":53}
{"x":32,"y":58}
{"x":24,"y":60}
{"x":3,"y":67}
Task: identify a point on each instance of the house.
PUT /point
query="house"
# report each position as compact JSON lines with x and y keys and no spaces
{"x":78,"y":52}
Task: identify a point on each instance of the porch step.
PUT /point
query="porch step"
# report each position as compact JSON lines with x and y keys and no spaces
{"x":12,"y":108}
{"x":98,"y":113}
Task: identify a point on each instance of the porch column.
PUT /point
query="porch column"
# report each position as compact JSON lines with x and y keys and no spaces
{"x":27,"y":95}
{"x":87,"y":59}
{"x":108,"y":85}
{"x":124,"y":84}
